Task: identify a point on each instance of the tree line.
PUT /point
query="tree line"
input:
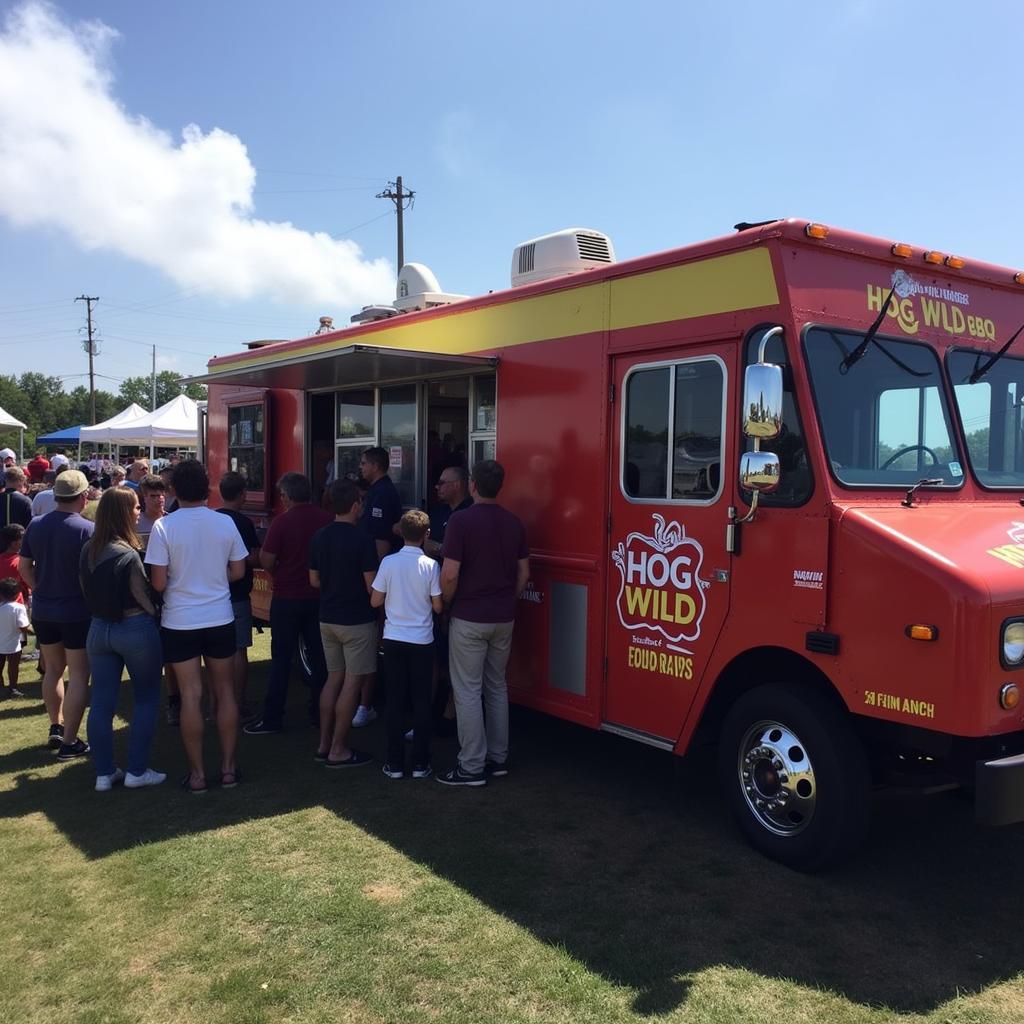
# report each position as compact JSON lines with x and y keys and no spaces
{"x":42,"y":404}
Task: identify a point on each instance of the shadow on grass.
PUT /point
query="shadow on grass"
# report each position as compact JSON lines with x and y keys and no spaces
{"x":624,"y":857}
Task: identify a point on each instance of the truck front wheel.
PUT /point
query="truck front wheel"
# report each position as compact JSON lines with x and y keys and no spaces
{"x":796,"y":776}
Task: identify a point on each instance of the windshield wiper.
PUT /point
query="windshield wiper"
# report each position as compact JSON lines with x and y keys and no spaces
{"x":908,"y":501}
{"x":858,"y":353}
{"x":977,"y":374}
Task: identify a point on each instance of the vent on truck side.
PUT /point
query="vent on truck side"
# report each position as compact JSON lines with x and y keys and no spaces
{"x":594,"y":247}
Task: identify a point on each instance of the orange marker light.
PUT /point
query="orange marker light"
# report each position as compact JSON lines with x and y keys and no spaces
{"x":816,"y":231}
{"x":931,"y":256}
{"x":902,"y":250}
{"x":956,"y":262}
{"x":922,"y":632}
{"x":1019,"y":277}
{"x":1009,"y":696}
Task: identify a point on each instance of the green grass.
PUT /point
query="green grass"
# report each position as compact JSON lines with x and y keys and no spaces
{"x":600,"y":882}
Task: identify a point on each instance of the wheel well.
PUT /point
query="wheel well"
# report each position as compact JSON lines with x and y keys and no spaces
{"x":756,"y":667}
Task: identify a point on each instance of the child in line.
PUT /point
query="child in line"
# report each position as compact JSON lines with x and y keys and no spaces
{"x":13,"y":629}
{"x":11,"y":537}
{"x":408,"y":585}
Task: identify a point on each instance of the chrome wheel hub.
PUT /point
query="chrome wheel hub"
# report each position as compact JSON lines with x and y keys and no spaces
{"x":777,"y":778}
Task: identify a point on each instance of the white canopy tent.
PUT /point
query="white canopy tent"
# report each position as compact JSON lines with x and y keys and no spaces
{"x":100,"y":432}
{"x":7,"y":420}
{"x":175,"y":424}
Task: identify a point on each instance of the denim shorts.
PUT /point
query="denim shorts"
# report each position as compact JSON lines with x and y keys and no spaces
{"x":243,"y":623}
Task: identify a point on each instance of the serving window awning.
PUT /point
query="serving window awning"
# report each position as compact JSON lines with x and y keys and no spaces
{"x":345,"y":367}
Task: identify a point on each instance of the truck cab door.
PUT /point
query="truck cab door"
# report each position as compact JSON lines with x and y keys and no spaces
{"x":672,"y":473}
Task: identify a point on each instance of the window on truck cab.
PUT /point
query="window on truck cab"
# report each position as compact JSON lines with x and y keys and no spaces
{"x":884,"y":417}
{"x":247,"y":452}
{"x":689,"y":394}
{"x":992,"y":416}
{"x":796,"y":481}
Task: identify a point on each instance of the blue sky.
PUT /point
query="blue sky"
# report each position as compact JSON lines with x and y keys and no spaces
{"x":658,"y":123}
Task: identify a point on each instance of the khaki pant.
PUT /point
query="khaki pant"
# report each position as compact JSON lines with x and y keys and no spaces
{"x":478,"y":654}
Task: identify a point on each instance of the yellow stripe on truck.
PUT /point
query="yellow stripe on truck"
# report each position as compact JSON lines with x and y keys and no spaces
{"x":722,"y":284}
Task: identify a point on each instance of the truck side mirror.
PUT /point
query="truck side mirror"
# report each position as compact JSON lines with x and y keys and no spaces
{"x":759,"y":471}
{"x":762,"y":401}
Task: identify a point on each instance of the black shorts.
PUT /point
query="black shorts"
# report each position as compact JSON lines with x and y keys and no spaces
{"x":186,"y":644}
{"x":71,"y":634}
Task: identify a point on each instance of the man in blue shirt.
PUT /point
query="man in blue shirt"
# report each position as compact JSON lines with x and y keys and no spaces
{"x":50,"y":554}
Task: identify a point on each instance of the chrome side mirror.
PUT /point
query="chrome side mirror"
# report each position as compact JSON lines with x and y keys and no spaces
{"x":759,"y":471}
{"x":762,"y":420}
{"x":762,"y":401}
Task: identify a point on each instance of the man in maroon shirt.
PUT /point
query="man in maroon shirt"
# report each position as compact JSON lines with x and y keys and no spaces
{"x":485,"y":568}
{"x":295,"y":605}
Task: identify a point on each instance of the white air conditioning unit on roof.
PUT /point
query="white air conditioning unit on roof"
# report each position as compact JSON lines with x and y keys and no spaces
{"x":559,"y":254}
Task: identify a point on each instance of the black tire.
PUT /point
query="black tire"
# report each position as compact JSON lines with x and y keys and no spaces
{"x":305,"y":666}
{"x":796,"y":776}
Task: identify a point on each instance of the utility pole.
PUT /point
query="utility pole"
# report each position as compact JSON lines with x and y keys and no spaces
{"x":153,"y":406}
{"x":398,"y":197}
{"x":91,"y":349}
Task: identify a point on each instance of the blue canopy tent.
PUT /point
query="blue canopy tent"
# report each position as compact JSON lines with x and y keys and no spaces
{"x":69,"y":435}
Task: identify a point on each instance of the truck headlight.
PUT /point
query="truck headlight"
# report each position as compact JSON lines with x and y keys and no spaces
{"x":1013,"y":643}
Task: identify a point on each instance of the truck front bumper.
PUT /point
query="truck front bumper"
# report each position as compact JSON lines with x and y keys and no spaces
{"x":999,"y":791}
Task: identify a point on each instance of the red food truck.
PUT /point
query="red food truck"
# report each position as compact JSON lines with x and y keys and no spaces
{"x":772,"y":483}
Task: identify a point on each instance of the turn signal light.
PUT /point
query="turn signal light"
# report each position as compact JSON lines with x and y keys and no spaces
{"x":1019,"y":277}
{"x":1009,"y":696}
{"x":902,"y":249}
{"x":931,"y":256}
{"x":921,"y":632}
{"x":956,"y":262}
{"x":816,"y":231}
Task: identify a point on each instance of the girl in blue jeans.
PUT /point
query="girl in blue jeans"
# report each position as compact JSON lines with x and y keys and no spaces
{"x":123,"y":634}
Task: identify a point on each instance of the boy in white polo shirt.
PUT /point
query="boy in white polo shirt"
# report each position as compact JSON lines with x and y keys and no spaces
{"x":408,"y":584}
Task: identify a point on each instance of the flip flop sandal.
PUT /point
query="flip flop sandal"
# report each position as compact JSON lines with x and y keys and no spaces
{"x":186,"y":784}
{"x":229,"y":780}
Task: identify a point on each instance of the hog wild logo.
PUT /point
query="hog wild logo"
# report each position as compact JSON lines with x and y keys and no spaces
{"x":660,"y":588}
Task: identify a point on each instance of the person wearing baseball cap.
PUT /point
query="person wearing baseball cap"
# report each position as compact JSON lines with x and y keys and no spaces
{"x":58,"y":460}
{"x":7,"y":456}
{"x":50,"y":556}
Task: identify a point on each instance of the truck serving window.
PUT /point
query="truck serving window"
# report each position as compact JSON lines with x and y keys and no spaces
{"x":246,"y":451}
{"x":883,"y":411}
{"x":689,"y":395}
{"x":991,"y":414}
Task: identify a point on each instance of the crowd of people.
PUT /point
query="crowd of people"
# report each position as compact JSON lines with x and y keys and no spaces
{"x":132,"y":571}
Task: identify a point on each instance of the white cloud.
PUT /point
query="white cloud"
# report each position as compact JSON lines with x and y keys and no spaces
{"x":72,"y":158}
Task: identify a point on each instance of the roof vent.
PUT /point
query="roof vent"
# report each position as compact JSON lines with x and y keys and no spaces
{"x":371,"y":314}
{"x":556,"y":255}
{"x":326,"y":325}
{"x":418,"y":289}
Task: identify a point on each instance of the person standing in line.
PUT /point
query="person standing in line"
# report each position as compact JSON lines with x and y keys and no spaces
{"x":13,"y":632}
{"x":15,"y":504}
{"x":408,"y":587}
{"x":232,"y":494}
{"x":37,"y":467}
{"x":486,"y":566}
{"x":152,"y":497}
{"x":123,"y":634}
{"x":342,"y":564}
{"x":382,"y":508}
{"x":48,"y":563}
{"x":294,"y":605}
{"x":192,"y":557}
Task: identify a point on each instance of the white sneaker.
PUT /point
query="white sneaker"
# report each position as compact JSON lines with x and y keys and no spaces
{"x":409,"y":735}
{"x":147,"y":778}
{"x":105,"y":783}
{"x":363,"y":716}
